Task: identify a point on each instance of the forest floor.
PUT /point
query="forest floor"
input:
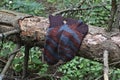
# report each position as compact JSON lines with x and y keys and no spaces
{"x":32,"y":75}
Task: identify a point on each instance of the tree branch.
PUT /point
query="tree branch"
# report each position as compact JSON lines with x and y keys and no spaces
{"x":81,"y":3}
{"x":6,"y":34}
{"x":113,"y":11}
{"x":75,"y":9}
{"x":106,"y":66}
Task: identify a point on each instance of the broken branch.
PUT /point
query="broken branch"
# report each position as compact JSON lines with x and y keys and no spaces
{"x":106,"y":67}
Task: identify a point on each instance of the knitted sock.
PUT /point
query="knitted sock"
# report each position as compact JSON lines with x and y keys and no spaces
{"x":52,"y":39}
{"x":73,"y":32}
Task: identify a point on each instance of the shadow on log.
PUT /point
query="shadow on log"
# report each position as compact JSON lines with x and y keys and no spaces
{"x":32,"y":31}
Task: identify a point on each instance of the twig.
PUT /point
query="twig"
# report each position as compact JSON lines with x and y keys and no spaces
{"x":9,"y":61}
{"x":14,"y":52}
{"x":114,"y":63}
{"x":99,"y":77}
{"x":106,"y":67}
{"x":4,"y":61}
{"x":44,"y":76}
{"x":74,"y":9}
{"x":106,"y":8}
{"x":81,"y":3}
{"x":1,"y":36}
{"x":41,"y":76}
{"x":6,"y":34}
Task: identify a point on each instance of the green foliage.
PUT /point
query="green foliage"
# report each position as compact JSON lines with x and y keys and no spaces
{"x":82,"y":69}
{"x":25,"y":6}
{"x":51,"y":1}
{"x":78,"y":68}
{"x":7,"y":47}
{"x":115,"y":74}
{"x":97,"y":16}
{"x":35,"y":63}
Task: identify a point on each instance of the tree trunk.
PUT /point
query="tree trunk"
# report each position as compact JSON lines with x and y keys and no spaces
{"x":117,"y":17}
{"x":113,"y":11}
{"x":31,"y":30}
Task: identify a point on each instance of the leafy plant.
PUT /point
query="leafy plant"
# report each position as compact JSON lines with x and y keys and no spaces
{"x":80,"y":68}
{"x":5,"y":48}
{"x":90,"y":14}
{"x":25,"y":6}
{"x":35,"y":63}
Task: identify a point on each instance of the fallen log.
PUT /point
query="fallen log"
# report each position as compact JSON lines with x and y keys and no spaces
{"x":31,"y":30}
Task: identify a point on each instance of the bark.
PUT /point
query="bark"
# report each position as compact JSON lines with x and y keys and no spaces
{"x":32,"y":31}
{"x":117,"y":17}
{"x":113,"y":11}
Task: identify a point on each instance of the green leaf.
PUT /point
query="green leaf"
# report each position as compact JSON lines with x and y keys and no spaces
{"x":18,"y":68}
{"x":51,"y":1}
{"x":36,"y":60}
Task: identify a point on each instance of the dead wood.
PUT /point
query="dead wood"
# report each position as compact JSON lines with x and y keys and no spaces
{"x":106,"y":67}
{"x":32,"y":31}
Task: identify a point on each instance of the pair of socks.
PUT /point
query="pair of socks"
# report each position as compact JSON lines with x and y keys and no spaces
{"x":63,"y":39}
